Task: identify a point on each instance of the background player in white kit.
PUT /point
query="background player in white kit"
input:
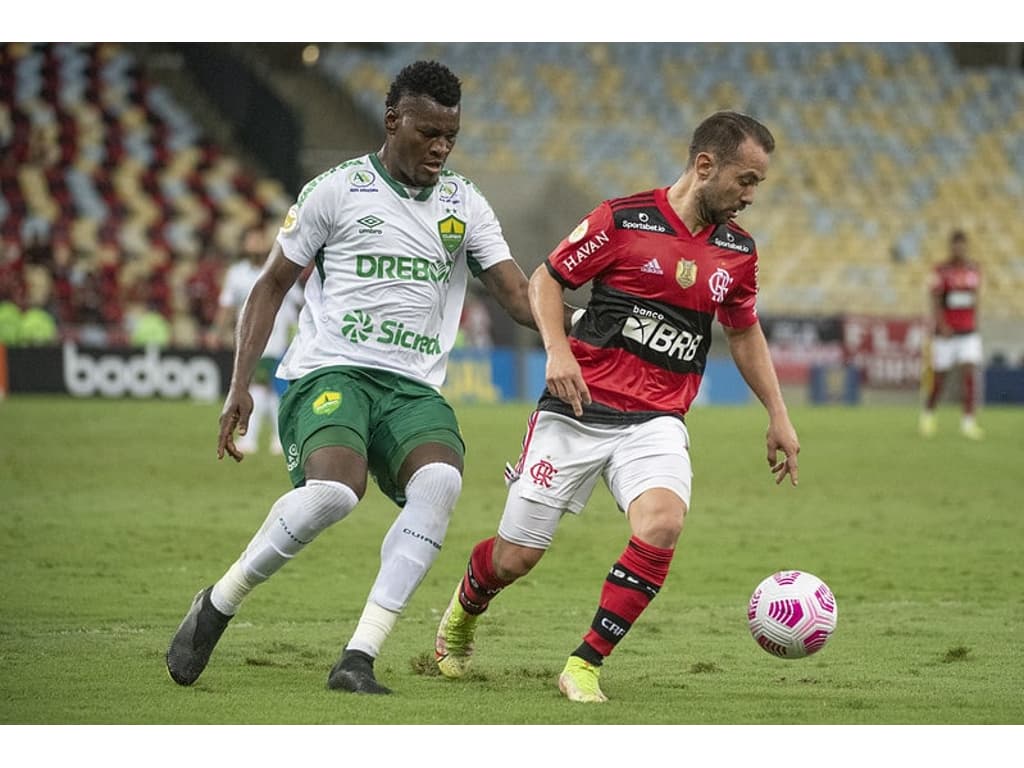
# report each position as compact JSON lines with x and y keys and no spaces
{"x":265,"y":388}
{"x":393,"y":237}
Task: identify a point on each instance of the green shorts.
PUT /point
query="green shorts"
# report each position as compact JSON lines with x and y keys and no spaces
{"x":380,"y":415}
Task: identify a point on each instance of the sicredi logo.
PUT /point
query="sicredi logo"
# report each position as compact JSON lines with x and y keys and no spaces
{"x":143,"y":375}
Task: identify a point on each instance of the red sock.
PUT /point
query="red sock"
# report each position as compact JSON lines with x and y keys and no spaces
{"x":479,"y":584}
{"x":630,"y":585}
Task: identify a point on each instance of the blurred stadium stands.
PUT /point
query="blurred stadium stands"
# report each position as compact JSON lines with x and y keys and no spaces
{"x":883,"y":148}
{"x":115,"y":200}
{"x":113,"y":203}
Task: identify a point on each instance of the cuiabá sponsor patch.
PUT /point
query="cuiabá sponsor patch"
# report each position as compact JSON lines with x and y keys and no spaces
{"x":326,"y":403}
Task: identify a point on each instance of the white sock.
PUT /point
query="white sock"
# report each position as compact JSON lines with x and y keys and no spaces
{"x":294,"y":521}
{"x":373,"y":629}
{"x":415,"y":538}
{"x":231,"y":589}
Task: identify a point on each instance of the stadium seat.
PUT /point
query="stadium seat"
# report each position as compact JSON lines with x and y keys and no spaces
{"x":883,"y":148}
{"x":103,"y":158}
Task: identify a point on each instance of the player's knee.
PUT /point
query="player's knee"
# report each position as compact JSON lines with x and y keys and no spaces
{"x":436,"y":486}
{"x":665,"y":529}
{"x":513,"y":561}
{"x":327,"y":502}
{"x":670,"y":520}
{"x":657,"y":517}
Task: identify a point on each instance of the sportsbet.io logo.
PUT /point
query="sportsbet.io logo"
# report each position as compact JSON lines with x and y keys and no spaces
{"x":356,"y":326}
{"x":327,"y":403}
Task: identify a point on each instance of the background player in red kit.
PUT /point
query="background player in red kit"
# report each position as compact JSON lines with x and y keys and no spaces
{"x":664,"y":264}
{"x":953,"y":288}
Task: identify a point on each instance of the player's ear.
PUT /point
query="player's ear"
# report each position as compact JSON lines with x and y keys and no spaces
{"x":391,"y":118}
{"x":704,"y":164}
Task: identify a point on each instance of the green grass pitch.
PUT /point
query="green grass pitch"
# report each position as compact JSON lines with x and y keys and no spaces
{"x":114,"y":513}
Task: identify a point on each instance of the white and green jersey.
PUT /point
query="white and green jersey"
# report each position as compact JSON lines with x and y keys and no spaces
{"x":392,"y":264}
{"x":238,"y":282}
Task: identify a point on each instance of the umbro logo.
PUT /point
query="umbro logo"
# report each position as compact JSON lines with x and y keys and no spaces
{"x":652,"y":267}
{"x":371,"y":225}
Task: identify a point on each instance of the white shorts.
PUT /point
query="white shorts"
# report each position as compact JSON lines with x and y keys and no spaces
{"x":948,"y":351}
{"x":562,"y":460}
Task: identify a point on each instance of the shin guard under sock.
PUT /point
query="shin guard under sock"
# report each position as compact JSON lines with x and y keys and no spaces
{"x":630,"y":586}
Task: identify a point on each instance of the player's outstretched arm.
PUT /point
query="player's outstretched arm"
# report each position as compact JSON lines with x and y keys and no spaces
{"x":749,"y":349}
{"x":508,"y":285}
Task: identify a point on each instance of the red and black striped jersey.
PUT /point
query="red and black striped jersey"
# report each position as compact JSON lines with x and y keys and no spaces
{"x":956,"y":284}
{"x":656,"y":288}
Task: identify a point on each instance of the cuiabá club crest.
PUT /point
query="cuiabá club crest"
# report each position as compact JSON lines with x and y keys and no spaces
{"x":452,"y":231}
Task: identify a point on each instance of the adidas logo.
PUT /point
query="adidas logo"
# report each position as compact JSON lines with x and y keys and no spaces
{"x":652,"y":267}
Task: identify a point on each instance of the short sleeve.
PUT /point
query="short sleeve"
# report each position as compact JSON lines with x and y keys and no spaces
{"x":307,"y":224}
{"x":486,"y":245}
{"x":586,"y":251}
{"x":739,"y":310}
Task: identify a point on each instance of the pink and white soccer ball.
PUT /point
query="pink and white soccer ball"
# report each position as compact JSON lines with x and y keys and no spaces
{"x":792,"y":614}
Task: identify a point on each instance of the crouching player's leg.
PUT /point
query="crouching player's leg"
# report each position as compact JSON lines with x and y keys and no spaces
{"x":408,"y":551}
{"x":416,"y":456}
{"x":556,"y":473}
{"x":524,"y":535}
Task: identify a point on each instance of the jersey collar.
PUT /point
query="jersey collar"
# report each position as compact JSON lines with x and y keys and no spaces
{"x":400,"y":189}
{"x":661,"y":199}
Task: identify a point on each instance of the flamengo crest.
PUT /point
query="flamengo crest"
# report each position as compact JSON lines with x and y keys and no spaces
{"x":719,"y":284}
{"x":542,"y":473}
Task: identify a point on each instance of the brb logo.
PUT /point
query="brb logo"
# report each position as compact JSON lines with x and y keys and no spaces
{"x":142,"y":375}
{"x":650,"y":329}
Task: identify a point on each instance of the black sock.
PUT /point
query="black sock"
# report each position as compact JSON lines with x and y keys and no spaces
{"x":588,"y":654}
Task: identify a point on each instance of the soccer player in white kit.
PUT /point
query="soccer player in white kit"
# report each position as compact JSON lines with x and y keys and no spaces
{"x":393,"y":238}
{"x":265,"y":387}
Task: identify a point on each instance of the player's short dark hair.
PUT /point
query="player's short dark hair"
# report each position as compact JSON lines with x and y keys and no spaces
{"x":426,"y":78}
{"x":958,"y":236}
{"x":722,"y":133}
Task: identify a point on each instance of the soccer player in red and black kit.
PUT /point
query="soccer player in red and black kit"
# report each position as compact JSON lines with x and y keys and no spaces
{"x":664,"y":265}
{"x":953,"y":287}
